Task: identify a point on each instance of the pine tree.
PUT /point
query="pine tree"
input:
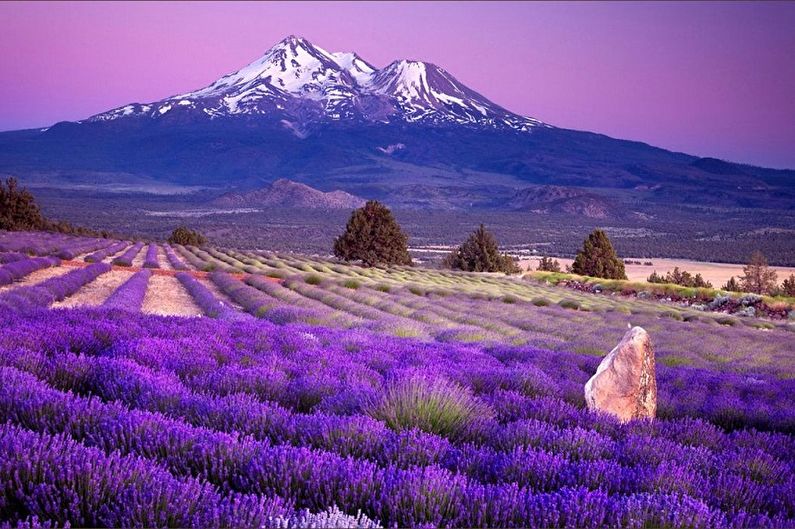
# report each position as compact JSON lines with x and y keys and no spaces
{"x":480,"y":253}
{"x":758,"y":277}
{"x":788,"y":286}
{"x":732,"y":285}
{"x":373,"y":237}
{"x":18,"y":208}
{"x":547,"y":264}
{"x":598,"y":258}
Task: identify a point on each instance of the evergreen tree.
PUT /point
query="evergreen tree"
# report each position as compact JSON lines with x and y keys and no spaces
{"x":373,"y":237}
{"x":481,"y":253}
{"x":18,"y":208}
{"x":598,"y":258}
{"x":547,"y":264}
{"x":732,"y":285}
{"x":757,"y":276}
{"x":187,"y":237}
{"x":788,"y":286}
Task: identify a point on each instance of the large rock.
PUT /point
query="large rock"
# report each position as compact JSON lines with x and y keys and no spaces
{"x":625,"y":383}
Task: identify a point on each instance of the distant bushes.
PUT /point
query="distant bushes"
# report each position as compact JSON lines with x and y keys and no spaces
{"x":547,"y":264}
{"x":680,"y":277}
{"x":186,"y":237}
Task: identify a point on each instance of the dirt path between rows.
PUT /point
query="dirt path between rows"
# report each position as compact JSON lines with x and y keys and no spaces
{"x":166,"y":296}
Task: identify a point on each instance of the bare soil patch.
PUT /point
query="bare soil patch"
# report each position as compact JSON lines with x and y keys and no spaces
{"x":96,"y":292}
{"x":166,"y":296}
{"x":36,"y":277}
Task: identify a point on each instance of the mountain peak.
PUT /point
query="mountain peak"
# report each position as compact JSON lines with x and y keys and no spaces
{"x":300,"y":84}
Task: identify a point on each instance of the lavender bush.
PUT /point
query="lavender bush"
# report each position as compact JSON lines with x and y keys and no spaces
{"x":151,"y":261}
{"x":104,"y":253}
{"x":127,"y":257}
{"x":130,"y":295}
{"x":18,"y":269}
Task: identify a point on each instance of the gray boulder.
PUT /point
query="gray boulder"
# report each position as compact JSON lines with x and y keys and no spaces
{"x":625,"y":383}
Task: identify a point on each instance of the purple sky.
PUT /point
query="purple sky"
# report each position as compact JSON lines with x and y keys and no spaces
{"x":713,"y":79}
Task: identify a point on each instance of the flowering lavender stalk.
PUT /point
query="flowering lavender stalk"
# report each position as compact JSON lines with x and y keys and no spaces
{"x":130,"y":295}
{"x":151,"y":257}
{"x":18,"y":269}
{"x":101,"y":255}
{"x":127,"y":257}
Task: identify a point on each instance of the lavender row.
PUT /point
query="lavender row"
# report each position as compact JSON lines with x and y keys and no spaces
{"x":176,"y":262}
{"x":151,"y":261}
{"x":246,"y":465}
{"x":130,"y":295}
{"x":126,"y":259}
{"x":252,"y":300}
{"x":18,"y":269}
{"x":206,"y":300}
{"x":706,"y":474}
{"x":101,"y":255}
{"x":10,"y":257}
{"x":58,"y":480}
{"x":51,"y":290}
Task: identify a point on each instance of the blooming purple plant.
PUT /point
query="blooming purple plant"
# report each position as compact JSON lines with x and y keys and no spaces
{"x":151,"y":261}
{"x":127,"y":257}
{"x":104,"y":253}
{"x":130,"y":295}
{"x":18,"y":269}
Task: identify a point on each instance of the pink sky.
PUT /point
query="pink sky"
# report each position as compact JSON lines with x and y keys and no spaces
{"x":713,"y":79}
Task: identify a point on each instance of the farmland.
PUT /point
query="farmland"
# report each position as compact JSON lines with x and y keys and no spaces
{"x":149,"y":384}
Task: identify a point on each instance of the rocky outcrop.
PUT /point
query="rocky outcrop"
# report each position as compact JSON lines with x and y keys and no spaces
{"x":288,"y":194}
{"x":625,"y":383}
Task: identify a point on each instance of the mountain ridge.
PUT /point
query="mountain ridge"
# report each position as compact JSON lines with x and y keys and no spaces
{"x":287,"y":193}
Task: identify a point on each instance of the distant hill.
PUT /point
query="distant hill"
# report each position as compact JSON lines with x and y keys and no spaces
{"x":557,"y":199}
{"x":286,"y":193}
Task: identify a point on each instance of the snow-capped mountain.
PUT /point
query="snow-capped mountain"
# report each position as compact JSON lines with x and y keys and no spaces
{"x":300,"y":84}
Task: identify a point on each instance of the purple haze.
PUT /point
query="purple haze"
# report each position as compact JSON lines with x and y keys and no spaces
{"x":705,"y":78}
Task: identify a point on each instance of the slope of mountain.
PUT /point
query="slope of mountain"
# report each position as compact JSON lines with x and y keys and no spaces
{"x":303,"y":84}
{"x":546,"y":199}
{"x":409,"y":133}
{"x":286,"y":193}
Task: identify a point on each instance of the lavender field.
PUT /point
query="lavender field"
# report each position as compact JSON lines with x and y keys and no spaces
{"x":314,"y":394}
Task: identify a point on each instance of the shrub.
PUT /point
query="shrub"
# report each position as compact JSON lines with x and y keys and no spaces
{"x":508,"y":298}
{"x":417,"y":291}
{"x":732,"y":285}
{"x":726,"y":320}
{"x":540,"y":302}
{"x":569,"y":304}
{"x":275,"y":274}
{"x":757,"y":276}
{"x":598,"y":258}
{"x":313,"y":279}
{"x":680,"y":277}
{"x":383,"y":288}
{"x":433,"y":405}
{"x":671,"y":314}
{"x":187,"y":237}
{"x":480,"y":253}
{"x":373,"y":237}
{"x":788,"y":286}
{"x":547,"y":264}
{"x":351,"y":283}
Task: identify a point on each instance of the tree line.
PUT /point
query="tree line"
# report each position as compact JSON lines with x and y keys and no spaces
{"x":373,"y":237}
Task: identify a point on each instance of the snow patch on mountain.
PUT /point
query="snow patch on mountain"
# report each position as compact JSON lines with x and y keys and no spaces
{"x":299,"y":83}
